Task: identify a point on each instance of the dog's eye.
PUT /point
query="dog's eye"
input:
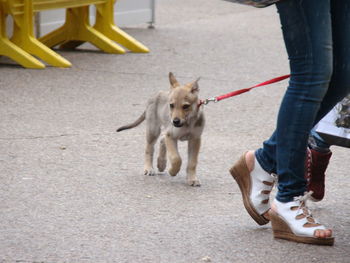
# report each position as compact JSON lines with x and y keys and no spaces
{"x":186,"y":106}
{"x":171,"y":106}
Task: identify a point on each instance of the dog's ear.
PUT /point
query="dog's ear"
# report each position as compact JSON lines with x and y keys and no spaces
{"x":194,"y":86}
{"x":173,"y":80}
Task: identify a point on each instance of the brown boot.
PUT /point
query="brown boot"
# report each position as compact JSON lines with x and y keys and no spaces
{"x":316,"y":165}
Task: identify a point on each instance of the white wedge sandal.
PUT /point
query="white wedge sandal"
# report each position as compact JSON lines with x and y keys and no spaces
{"x":293,"y":221}
{"x":255,"y":187}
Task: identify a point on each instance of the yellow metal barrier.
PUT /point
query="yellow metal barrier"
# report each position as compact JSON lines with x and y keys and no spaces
{"x":75,"y":31}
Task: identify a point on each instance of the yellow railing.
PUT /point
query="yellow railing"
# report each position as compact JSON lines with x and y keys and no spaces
{"x":76,"y":30}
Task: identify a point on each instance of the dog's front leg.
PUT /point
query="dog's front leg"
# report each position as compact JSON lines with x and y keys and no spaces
{"x":152,"y":134}
{"x":193,"y":151}
{"x":173,"y":155}
{"x":161,"y":161}
{"x":148,"y":168}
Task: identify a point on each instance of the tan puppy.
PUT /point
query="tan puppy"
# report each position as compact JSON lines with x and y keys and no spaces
{"x":177,"y":116}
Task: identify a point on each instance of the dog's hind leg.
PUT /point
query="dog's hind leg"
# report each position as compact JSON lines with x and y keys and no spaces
{"x":152,"y":134}
{"x":161,"y":162}
{"x":193,"y":151}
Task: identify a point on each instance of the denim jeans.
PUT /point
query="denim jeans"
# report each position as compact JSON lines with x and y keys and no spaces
{"x":317,"y":38}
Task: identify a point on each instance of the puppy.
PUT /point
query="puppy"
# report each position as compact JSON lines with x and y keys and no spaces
{"x":177,"y":116}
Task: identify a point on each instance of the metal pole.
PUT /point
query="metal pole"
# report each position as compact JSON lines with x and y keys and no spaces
{"x":37,"y":24}
{"x":153,"y":19}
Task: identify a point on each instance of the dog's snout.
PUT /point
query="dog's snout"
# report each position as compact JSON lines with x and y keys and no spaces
{"x":177,"y":122}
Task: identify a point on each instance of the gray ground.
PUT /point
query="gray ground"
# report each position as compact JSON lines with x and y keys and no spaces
{"x":72,"y":189}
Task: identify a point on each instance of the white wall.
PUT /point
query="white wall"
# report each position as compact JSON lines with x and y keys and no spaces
{"x":131,"y":12}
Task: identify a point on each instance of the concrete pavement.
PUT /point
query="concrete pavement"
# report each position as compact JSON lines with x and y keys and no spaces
{"x":72,"y":189}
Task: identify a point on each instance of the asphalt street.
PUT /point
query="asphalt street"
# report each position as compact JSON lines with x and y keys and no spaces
{"x":73,"y":190}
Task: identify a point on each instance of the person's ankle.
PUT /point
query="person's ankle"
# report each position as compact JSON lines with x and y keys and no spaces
{"x":250,"y":160}
{"x":318,"y":147}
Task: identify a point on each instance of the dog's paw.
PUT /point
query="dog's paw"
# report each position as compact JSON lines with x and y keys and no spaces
{"x":172,"y":172}
{"x":149,"y":172}
{"x":193,"y":182}
{"x":161,"y":165}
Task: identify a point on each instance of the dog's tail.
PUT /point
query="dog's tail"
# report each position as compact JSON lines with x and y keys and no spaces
{"x":134,"y":124}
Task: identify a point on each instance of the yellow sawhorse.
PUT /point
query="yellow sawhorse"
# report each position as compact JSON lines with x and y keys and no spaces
{"x":77,"y":28}
{"x":105,"y":24}
{"x":9,"y":49}
{"x":23,"y":34}
{"x":75,"y":31}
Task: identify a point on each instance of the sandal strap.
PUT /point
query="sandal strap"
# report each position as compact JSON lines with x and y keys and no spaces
{"x":261,"y":185}
{"x":290,"y":216}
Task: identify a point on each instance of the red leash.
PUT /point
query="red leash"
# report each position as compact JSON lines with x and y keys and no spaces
{"x":240,"y":91}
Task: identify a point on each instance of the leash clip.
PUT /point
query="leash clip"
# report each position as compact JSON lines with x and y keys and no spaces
{"x":206,"y":101}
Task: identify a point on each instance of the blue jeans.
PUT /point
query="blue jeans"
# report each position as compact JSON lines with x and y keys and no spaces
{"x":317,"y":38}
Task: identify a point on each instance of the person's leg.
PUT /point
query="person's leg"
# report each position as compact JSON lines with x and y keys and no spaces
{"x":310,"y":56}
{"x":340,"y":81}
{"x":307,"y":31}
{"x":308,"y":44}
{"x":309,"y":47}
{"x":319,"y":153}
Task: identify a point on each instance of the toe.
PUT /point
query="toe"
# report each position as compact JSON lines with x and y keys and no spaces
{"x":328,"y":233}
{"x":317,"y":233}
{"x":149,"y":172}
{"x":323,"y":233}
{"x":194,"y":182}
